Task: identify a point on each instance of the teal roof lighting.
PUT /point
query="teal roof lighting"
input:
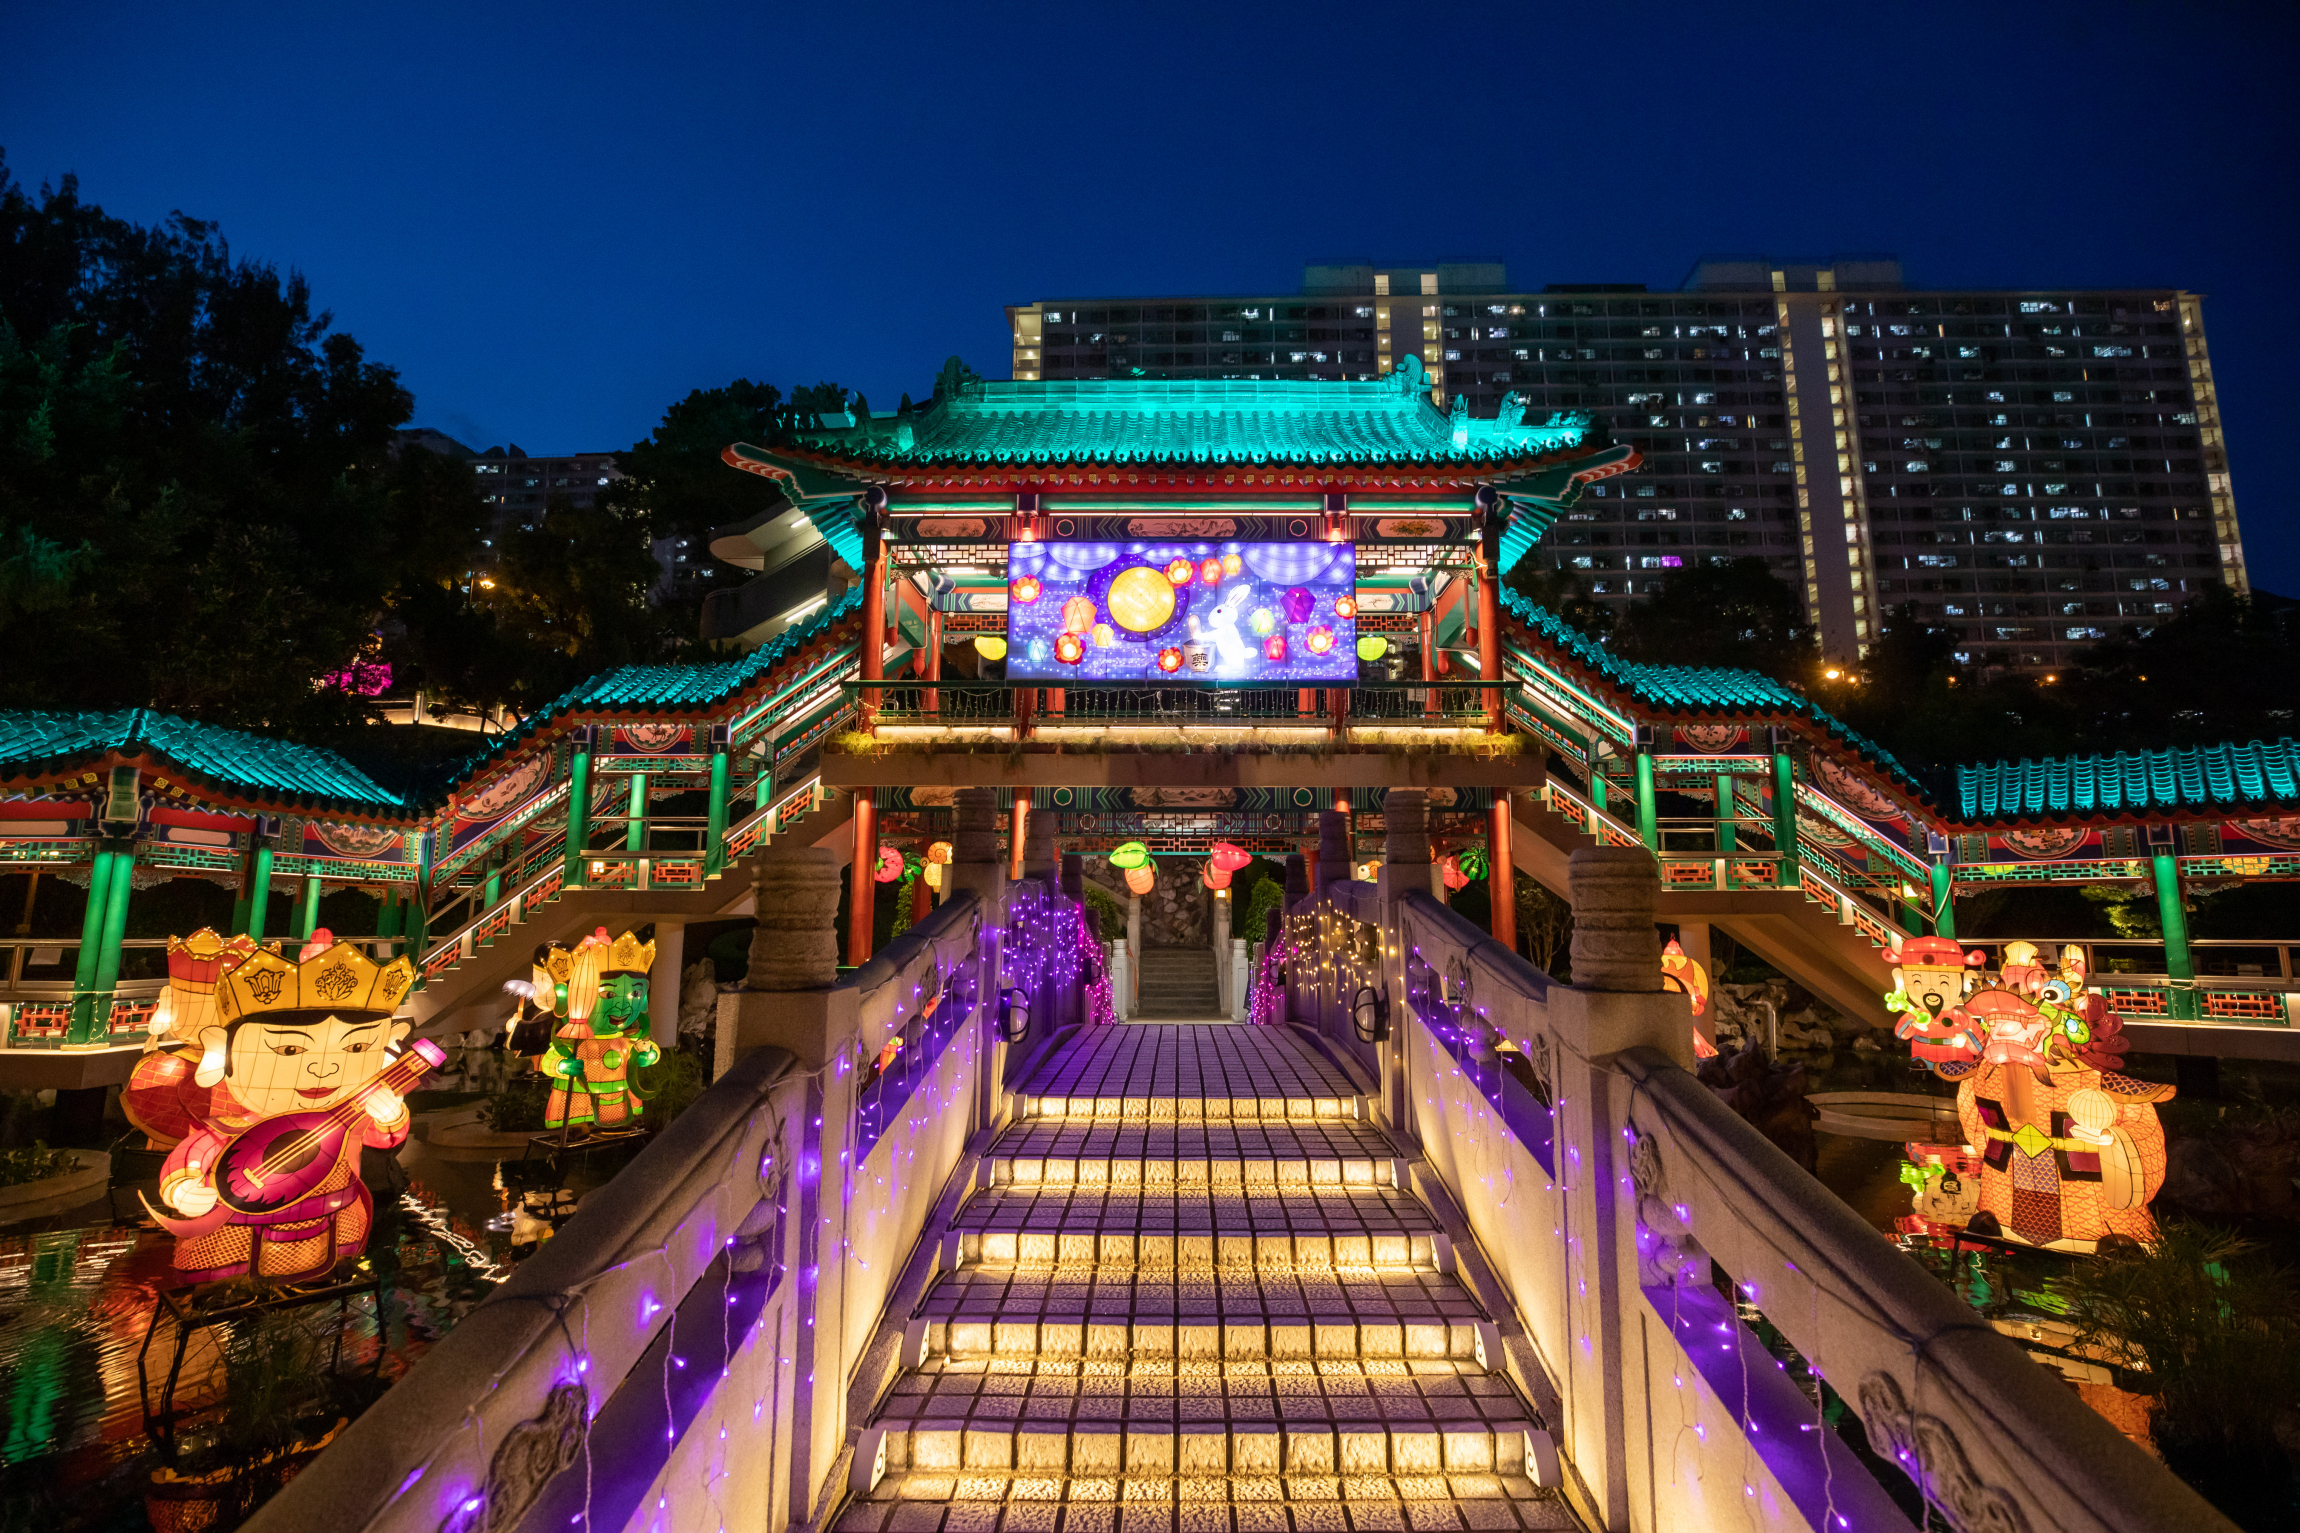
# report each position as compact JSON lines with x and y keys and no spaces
{"x":2124,"y":782}
{"x":33,"y":743}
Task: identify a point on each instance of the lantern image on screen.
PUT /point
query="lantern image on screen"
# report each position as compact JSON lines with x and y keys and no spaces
{"x":1070,"y":649}
{"x":1264,"y":622}
{"x":1077,"y":614}
{"x":1181,"y":572}
{"x":1274,"y":646}
{"x":1211,"y":572}
{"x":1141,"y":599}
{"x":1345,"y":606}
{"x":1141,"y":880}
{"x":1026,"y":588}
{"x":1300,"y":604}
{"x":1169,"y":660}
{"x":1320,"y":639}
{"x":1372,"y":647}
{"x":1104,"y":636}
{"x":990,"y":646}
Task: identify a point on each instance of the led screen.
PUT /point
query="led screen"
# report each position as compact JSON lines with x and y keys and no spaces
{"x":1283,"y":613}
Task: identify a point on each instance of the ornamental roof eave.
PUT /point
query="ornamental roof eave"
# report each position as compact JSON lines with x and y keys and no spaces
{"x":2177,"y":784}
{"x":1465,"y":471}
{"x":243,"y":772}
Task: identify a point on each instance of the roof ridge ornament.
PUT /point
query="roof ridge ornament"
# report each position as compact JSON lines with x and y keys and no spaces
{"x":1410,"y":377}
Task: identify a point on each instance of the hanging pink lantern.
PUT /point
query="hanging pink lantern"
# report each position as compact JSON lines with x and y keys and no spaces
{"x":1454,"y":877}
{"x":889,"y":865}
{"x":1229,"y":857}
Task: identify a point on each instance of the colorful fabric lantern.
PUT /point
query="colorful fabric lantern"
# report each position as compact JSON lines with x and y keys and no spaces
{"x":1264,"y":622}
{"x":1275,"y":647}
{"x":1141,"y":880}
{"x":1215,"y":876}
{"x":1026,"y":588}
{"x":1345,"y":606}
{"x":1450,"y":871}
{"x":1320,"y":639}
{"x":932,"y":873}
{"x":990,"y":646}
{"x":1078,"y":614}
{"x":1232,"y":565}
{"x":939,"y":852}
{"x":1211,"y":572}
{"x":889,"y":865}
{"x":1372,"y":647}
{"x":1170,"y":660}
{"x":1181,"y":572}
{"x":1680,"y":973}
{"x":1104,"y":636}
{"x":1299,"y":604}
{"x":1472,"y":860}
{"x":1230,"y":857}
{"x":1070,"y":649}
{"x":1141,"y":599}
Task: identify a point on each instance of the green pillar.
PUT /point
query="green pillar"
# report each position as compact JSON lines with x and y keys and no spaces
{"x":387,"y":913}
{"x":635,"y":815}
{"x":91,"y":947}
{"x":1944,"y":903}
{"x":307,"y":920}
{"x":417,"y":924}
{"x":2179,"y":964}
{"x":1785,"y":816}
{"x":259,"y":890}
{"x":1648,"y":813}
{"x":578,"y":814}
{"x":715,"y":832}
{"x":492,"y":894}
{"x":108,"y":950}
{"x":1727,"y":832}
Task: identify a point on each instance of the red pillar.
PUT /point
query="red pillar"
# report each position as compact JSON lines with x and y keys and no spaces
{"x":1501,"y":872}
{"x":1310,"y":866}
{"x":921,"y":898}
{"x":873,"y":640}
{"x":862,"y":894}
{"x":1489,"y":618}
{"x":1020,"y":828}
{"x":933,"y":658}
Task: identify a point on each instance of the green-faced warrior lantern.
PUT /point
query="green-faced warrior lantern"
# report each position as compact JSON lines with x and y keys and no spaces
{"x":604,"y":1037}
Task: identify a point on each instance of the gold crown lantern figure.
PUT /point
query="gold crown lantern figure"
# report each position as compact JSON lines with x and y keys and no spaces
{"x":337,"y":978}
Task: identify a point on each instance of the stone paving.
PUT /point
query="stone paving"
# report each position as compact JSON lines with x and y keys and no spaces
{"x":1193,"y":1299}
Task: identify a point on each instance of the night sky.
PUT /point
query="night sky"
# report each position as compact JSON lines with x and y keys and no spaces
{"x":555,"y":220}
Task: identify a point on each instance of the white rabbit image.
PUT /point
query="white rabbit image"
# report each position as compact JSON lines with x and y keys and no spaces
{"x":1233,"y":650}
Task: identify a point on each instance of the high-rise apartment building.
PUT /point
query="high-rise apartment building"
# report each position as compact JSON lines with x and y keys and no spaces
{"x":516,"y":485}
{"x":2034,"y":470}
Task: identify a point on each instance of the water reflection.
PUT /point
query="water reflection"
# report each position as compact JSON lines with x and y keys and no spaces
{"x":85,"y":1446}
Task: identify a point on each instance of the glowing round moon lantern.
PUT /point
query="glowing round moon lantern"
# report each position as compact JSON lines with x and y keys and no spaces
{"x":1372,"y":647}
{"x":1026,"y":588}
{"x":1264,"y":622}
{"x":889,"y":865}
{"x":1345,"y":606}
{"x":1141,"y":599}
{"x":1141,"y":880}
{"x":1275,"y":646}
{"x":1169,"y":660}
{"x":1104,"y":636}
{"x":1131,"y":854}
{"x":1299,"y":604}
{"x":990,"y":646}
{"x":1320,"y":639}
{"x":1211,"y":572}
{"x":1077,"y":614}
{"x":1181,"y":572}
{"x":1230,"y":857}
{"x":1070,"y":649}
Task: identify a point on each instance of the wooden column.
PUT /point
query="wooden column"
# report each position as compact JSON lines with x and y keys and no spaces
{"x":933,"y":658}
{"x":1489,"y":612}
{"x":1017,"y":829}
{"x":862,"y":891}
{"x":1501,"y":872}
{"x":872,"y":642}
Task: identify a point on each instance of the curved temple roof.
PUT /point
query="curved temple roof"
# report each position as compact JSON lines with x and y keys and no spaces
{"x":2196,"y":777}
{"x":279,"y":771}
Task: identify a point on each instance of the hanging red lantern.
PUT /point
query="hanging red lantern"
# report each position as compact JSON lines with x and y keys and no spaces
{"x":1069,"y":649}
{"x":1275,"y":647}
{"x":1230,"y":857}
{"x":1143,"y":879}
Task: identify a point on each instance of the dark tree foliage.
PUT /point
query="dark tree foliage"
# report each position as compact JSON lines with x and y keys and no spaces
{"x":199,"y":506}
{"x":1738,"y":614}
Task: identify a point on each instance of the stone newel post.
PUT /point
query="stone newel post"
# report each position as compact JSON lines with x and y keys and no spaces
{"x":1334,"y":847}
{"x":1039,"y":858}
{"x":976,"y":864}
{"x":787,"y":1001}
{"x":1615,"y":1003}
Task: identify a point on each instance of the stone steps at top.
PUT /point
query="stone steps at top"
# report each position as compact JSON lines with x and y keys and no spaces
{"x":1177,"y":982}
{"x":1194,"y":1297}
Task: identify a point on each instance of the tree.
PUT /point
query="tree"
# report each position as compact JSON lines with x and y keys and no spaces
{"x":1564,"y":595}
{"x":1738,"y":614}
{"x":195,"y":502}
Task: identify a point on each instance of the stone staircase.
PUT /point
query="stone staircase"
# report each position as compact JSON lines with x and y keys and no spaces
{"x":1189,"y":1296}
{"x":1178,"y":982}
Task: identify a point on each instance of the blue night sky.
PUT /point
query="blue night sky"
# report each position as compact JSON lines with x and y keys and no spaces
{"x":554,"y":220}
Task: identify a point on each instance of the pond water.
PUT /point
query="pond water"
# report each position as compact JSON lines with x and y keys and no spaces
{"x":90,"y":1438}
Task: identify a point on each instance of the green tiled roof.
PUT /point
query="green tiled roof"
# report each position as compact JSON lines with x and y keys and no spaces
{"x":2197,"y":777}
{"x":657,"y":688}
{"x":263,"y":768}
{"x":1234,"y":421}
{"x":1697,"y":689}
